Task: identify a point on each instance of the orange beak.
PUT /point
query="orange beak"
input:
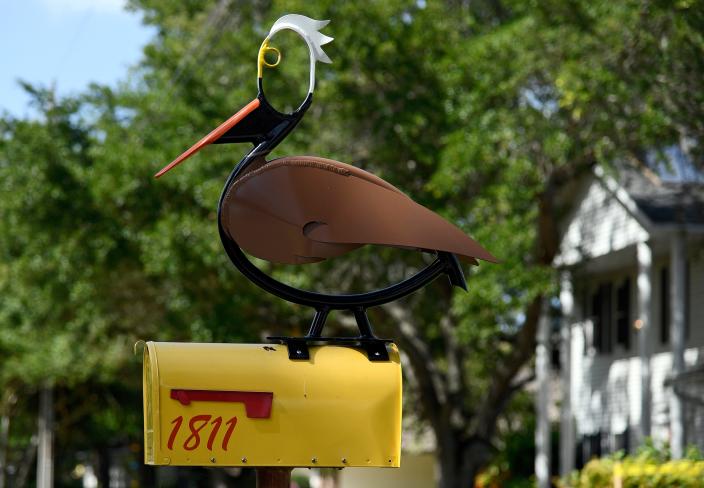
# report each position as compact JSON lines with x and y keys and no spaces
{"x":213,"y":136}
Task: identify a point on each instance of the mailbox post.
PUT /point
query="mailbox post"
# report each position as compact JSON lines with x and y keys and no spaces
{"x":273,"y":477}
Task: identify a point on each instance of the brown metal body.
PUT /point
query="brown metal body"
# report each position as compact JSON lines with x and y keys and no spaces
{"x":303,"y":209}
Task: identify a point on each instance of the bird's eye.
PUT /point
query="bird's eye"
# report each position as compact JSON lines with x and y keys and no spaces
{"x":268,"y":56}
{"x":272,"y":57}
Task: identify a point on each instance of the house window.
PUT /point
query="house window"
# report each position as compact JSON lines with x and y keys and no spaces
{"x":623,"y":441}
{"x":589,"y":447}
{"x":664,"y":305}
{"x":623,"y":314}
{"x":601,"y":318}
{"x":595,"y":317}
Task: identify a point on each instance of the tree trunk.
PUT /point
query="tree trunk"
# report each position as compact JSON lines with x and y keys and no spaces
{"x":45,"y":455}
{"x":104,"y":466}
{"x":460,"y":465}
{"x":463,"y":433}
{"x":6,"y":407}
{"x":4,"y":435}
{"x":273,"y":477}
{"x":27,"y":463}
{"x":217,"y":478}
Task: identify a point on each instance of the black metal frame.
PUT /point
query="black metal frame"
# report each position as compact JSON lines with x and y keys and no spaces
{"x":323,"y":303}
{"x":274,"y":127}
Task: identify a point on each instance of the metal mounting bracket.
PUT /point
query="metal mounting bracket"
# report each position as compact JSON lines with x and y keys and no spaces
{"x":298,"y":347}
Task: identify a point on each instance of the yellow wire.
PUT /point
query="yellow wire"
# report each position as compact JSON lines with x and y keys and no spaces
{"x":261,"y":58}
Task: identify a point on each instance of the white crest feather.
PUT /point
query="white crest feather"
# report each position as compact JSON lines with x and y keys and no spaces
{"x":308,"y":29}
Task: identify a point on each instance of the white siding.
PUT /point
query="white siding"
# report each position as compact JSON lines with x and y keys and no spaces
{"x":599,"y":225}
{"x":598,"y":246}
{"x":661,"y":365}
{"x":606,"y":392}
{"x":695,"y":314}
{"x":605,"y":388}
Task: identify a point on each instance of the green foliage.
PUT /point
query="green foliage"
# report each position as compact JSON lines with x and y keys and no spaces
{"x":514,"y":463}
{"x":650,"y":466}
{"x":62,"y":279}
{"x":635,"y":473}
{"x":301,"y":481}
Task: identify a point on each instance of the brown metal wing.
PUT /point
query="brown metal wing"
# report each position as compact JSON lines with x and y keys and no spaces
{"x":305,"y":209}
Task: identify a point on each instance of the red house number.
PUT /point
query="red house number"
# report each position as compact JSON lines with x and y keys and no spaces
{"x":196,"y":425}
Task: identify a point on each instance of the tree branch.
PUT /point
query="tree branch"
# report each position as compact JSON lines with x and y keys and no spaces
{"x":432,"y":388}
{"x":501,"y":389}
{"x":456,"y":384}
{"x":547,"y":247}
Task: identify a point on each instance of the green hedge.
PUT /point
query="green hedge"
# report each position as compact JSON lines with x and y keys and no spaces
{"x":649,"y":468}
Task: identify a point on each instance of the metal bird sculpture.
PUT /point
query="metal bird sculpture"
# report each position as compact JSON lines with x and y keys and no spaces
{"x":305,"y":209}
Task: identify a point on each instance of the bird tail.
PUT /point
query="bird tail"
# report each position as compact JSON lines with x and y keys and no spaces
{"x":453,"y":269}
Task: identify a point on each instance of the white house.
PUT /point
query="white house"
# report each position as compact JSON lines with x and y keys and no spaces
{"x":631,"y":330}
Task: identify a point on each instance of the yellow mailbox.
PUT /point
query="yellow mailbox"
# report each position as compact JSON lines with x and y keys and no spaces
{"x":250,"y":405}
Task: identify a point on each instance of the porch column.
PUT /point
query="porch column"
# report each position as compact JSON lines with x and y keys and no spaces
{"x":644,"y":326}
{"x":542,"y":377}
{"x":567,"y":453}
{"x":678,"y":273}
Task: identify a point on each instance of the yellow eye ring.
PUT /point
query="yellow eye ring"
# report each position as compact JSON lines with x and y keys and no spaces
{"x":278,"y":57}
{"x":263,"y":50}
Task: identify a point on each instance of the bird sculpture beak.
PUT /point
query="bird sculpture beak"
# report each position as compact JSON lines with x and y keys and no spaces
{"x":213,"y":136}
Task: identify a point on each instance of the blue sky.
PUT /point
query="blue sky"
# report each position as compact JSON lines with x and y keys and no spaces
{"x":67,"y":42}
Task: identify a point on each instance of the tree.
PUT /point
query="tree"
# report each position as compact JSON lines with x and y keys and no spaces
{"x":484,"y":111}
{"x":66,"y":316}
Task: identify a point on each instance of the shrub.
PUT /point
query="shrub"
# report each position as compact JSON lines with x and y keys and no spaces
{"x":650,"y":467}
